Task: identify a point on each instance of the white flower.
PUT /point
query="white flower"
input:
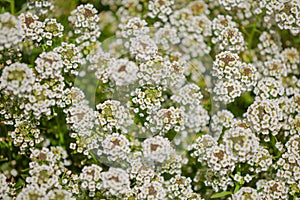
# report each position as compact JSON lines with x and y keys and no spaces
{"x":157,"y":149}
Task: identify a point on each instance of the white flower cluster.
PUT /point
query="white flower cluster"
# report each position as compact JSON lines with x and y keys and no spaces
{"x":274,"y":68}
{"x":113,"y":115}
{"x":265,"y":117}
{"x":45,"y":171}
{"x":161,"y":72}
{"x":165,"y":120}
{"x":133,"y":27}
{"x":40,"y":7}
{"x":228,"y":4}
{"x":233,"y":76}
{"x":11,"y":33}
{"x":17,"y":79}
{"x":200,"y":146}
{"x":226,"y":35}
{"x":272,"y":189}
{"x":261,"y":161}
{"x":157,"y":149}
{"x":166,"y":37}
{"x":269,"y":44}
{"x":188,"y":95}
{"x":123,"y":72}
{"x":25,"y":135}
{"x":148,"y":99}
{"x":49,"y":66}
{"x":144,"y":112}
{"x":191,"y":30}
{"x":246,"y":192}
{"x":288,"y":164}
{"x":160,"y":8}
{"x":180,"y":187}
{"x":219,"y":165}
{"x":142,"y":47}
{"x":51,"y":29}
{"x":71,"y":57}
{"x":230,"y":39}
{"x":81,"y":118}
{"x":244,"y":9}
{"x":32,"y":27}
{"x":90,"y":178}
{"x":241,"y":143}
{"x":4,"y":187}
{"x":115,"y":146}
{"x":152,"y":190}
{"x":116,"y":181}
{"x":220,"y":121}
{"x":268,"y":88}
{"x":286,"y":14}
{"x":46,"y":30}
{"x":84,"y":19}
{"x":195,"y":116}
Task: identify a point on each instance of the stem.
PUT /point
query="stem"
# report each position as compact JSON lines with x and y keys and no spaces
{"x":253,"y":32}
{"x":12,"y":6}
{"x":61,"y":138}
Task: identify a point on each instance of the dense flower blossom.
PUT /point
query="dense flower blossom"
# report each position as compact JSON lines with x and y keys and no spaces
{"x":17,"y":79}
{"x":150,"y":100}
{"x":10,"y":31}
{"x":157,"y":149}
{"x":116,"y":181}
{"x":265,"y":117}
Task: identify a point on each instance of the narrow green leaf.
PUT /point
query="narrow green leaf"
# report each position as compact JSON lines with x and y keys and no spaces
{"x":221,"y":194}
{"x":237,"y":187}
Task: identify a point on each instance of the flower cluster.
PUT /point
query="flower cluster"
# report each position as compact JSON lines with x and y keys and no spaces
{"x":45,"y":174}
{"x":166,"y":119}
{"x":116,"y":181}
{"x":265,"y":117}
{"x":160,"y":9}
{"x":10,"y":31}
{"x":241,"y":143}
{"x":84,"y":19}
{"x":123,"y":72}
{"x":220,"y":121}
{"x":233,"y":76}
{"x":268,"y":88}
{"x":37,"y":30}
{"x":115,"y":146}
{"x":180,"y":187}
{"x":17,"y":79}
{"x":286,"y":14}
{"x":5,"y":187}
{"x":246,"y":192}
{"x":272,"y":189}
{"x":133,"y":27}
{"x":70,"y":57}
{"x":25,"y":135}
{"x":90,"y":179}
{"x":230,"y":39}
{"x":32,"y":27}
{"x":112,"y":115}
{"x":157,"y":149}
{"x":86,"y":30}
{"x":150,"y":100}
{"x":40,"y":7}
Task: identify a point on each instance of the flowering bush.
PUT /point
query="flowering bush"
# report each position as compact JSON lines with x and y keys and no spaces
{"x":158,"y":99}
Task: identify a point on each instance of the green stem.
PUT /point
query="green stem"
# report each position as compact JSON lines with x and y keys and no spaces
{"x":94,"y":158}
{"x":12,"y":6}
{"x":61,"y":138}
{"x":253,"y":32}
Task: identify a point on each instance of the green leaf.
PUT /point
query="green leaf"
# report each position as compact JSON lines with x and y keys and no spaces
{"x":220,"y":194}
{"x":237,"y":187}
